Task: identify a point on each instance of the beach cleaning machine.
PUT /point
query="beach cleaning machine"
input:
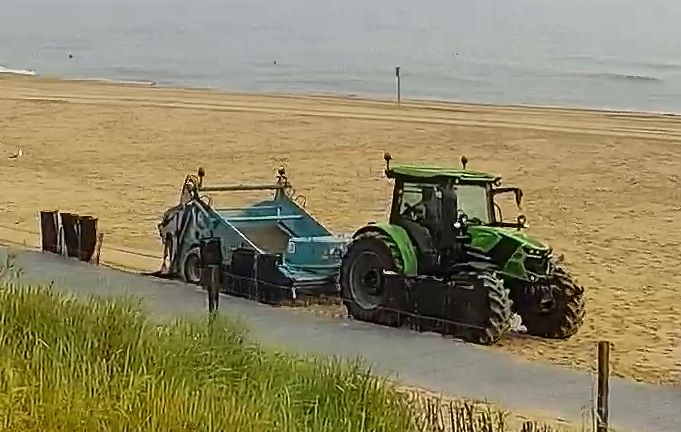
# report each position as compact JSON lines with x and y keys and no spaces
{"x":273,"y":251}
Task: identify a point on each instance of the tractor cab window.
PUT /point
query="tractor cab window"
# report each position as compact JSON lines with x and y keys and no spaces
{"x":474,"y":202}
{"x":411,"y":196}
{"x":418,"y":199}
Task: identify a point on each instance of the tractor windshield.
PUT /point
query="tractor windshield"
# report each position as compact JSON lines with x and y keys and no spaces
{"x":474,"y":202}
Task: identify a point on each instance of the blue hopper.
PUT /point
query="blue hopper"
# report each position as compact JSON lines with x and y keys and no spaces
{"x":273,"y":251}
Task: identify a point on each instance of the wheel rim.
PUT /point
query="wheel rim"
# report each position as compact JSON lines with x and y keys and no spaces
{"x":191,"y":269}
{"x":366,"y":280}
{"x":544,"y":299}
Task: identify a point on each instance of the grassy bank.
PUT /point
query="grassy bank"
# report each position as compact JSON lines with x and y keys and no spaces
{"x":75,"y":365}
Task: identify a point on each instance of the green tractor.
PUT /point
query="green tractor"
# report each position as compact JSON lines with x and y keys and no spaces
{"x":446,"y":261}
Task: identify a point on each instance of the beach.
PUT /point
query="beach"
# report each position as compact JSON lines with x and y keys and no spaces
{"x":601,"y":187}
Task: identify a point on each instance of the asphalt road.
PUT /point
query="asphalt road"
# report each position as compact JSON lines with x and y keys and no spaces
{"x":424,"y":360}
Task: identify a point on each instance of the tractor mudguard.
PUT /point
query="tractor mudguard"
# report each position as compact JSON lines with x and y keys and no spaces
{"x":401,"y":238}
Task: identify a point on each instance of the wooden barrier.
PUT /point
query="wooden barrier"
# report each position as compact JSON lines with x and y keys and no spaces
{"x":49,"y":231}
{"x":88,"y":237}
{"x":70,"y":235}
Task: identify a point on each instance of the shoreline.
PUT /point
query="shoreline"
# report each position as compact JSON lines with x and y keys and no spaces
{"x":333,"y":96}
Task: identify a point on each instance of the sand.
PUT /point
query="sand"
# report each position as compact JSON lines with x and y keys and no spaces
{"x":600,"y":187}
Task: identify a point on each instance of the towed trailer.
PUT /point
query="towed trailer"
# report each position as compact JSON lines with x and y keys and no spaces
{"x":273,"y":251}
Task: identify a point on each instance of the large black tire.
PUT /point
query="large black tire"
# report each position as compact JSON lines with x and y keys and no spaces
{"x":565,"y":315}
{"x":361,"y":277}
{"x":497,"y":321}
{"x":191,"y":266}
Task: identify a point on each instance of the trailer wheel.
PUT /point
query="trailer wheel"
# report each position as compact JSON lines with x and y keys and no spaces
{"x":191,"y":266}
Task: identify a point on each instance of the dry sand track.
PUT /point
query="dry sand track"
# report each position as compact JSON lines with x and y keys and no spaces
{"x":602,"y":187}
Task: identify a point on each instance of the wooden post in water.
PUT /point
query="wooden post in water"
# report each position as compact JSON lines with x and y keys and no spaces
{"x":603,"y":386}
{"x":399,"y":89}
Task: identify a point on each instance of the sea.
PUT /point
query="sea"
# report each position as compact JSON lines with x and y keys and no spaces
{"x":602,"y":54}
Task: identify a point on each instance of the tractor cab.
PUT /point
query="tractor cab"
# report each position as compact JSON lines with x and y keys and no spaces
{"x":436,"y":206}
{"x":474,"y":192}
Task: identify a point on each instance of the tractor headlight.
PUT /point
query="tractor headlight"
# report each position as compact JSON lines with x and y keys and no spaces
{"x":534,"y":252}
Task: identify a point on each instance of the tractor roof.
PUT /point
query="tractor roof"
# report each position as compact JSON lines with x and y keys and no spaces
{"x":429,"y":172}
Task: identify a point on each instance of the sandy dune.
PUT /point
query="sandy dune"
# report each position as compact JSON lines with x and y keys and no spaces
{"x":602,"y":188}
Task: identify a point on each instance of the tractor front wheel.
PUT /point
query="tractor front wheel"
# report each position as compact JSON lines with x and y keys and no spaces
{"x":498,"y":313}
{"x":362,"y":279}
{"x":555,"y":310}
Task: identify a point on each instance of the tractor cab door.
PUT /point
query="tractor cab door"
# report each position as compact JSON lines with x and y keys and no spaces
{"x":418,"y":210}
{"x":428,"y":213}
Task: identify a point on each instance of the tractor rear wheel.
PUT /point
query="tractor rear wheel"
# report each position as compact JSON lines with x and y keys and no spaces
{"x":555,"y":311}
{"x":362,"y":280}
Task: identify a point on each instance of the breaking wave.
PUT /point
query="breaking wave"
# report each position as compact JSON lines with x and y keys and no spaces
{"x":28,"y":72}
{"x":7,"y":70}
{"x":115,"y":81}
{"x":622,"y":76}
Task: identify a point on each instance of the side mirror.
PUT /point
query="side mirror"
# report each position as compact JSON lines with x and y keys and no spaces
{"x":518,"y":196}
{"x":516,"y":191}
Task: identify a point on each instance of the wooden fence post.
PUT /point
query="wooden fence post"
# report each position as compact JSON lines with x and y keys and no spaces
{"x":211,"y":267}
{"x":214,"y":289}
{"x":603,"y":385}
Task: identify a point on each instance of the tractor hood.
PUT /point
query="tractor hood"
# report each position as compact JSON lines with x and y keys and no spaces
{"x":486,"y":237}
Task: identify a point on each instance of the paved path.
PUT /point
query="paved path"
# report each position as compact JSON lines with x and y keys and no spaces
{"x":428,"y":361}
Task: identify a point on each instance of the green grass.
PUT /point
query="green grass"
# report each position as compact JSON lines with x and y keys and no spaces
{"x":95,"y":365}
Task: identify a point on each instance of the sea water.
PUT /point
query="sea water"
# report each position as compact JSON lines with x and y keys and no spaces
{"x":618,"y":54}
